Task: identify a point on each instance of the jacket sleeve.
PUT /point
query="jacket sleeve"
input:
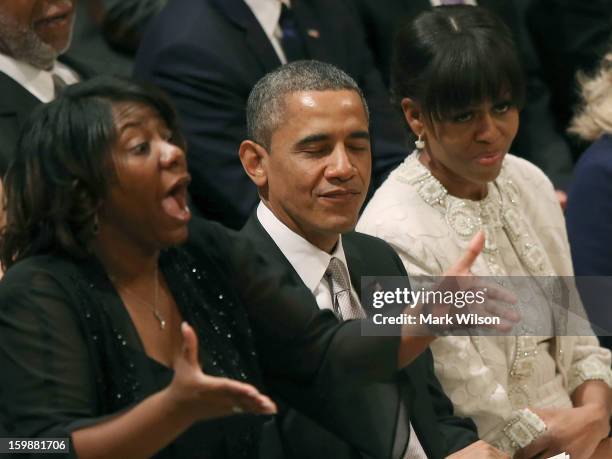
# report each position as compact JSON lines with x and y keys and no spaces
{"x":288,"y":325}
{"x":47,"y":387}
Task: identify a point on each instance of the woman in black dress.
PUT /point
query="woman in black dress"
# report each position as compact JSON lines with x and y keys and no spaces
{"x":94,"y":309}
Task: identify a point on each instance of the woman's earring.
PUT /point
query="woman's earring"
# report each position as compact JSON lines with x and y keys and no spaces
{"x":419,"y":143}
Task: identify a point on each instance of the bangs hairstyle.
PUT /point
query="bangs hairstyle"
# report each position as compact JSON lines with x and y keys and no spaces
{"x":454,"y":57}
{"x":64,"y":166}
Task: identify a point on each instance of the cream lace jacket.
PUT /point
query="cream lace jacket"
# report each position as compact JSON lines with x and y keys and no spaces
{"x":493,"y":380}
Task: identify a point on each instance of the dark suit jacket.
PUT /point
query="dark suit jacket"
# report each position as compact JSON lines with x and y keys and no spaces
{"x":16,"y":104}
{"x":589,"y":228}
{"x":208,"y":54}
{"x":539,"y":140}
{"x":377,"y":414}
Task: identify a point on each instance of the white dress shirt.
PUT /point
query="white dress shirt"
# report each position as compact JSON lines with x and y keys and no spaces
{"x":267,"y":13}
{"x":310,"y":263}
{"x":37,"y":82}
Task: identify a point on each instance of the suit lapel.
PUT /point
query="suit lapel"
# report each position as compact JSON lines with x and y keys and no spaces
{"x":355,"y":262}
{"x":16,"y":103}
{"x":311,"y":30}
{"x":241,"y":15}
{"x":15,"y":100}
{"x":264,"y":243}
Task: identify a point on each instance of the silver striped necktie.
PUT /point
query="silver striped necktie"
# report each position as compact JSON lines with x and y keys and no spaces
{"x":346,"y":306}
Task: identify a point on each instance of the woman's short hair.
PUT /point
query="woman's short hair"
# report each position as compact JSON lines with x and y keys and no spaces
{"x":64,"y":165}
{"x":594,"y":117}
{"x":452,"y":57}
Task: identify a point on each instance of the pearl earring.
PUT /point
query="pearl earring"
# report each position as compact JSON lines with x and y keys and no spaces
{"x":419,"y":143}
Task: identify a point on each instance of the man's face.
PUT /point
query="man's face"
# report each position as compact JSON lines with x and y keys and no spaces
{"x":318,"y":166}
{"x":36,"y":31}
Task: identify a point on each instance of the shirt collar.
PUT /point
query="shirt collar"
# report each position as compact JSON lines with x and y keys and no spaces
{"x":267,"y":13}
{"x":37,"y":82}
{"x":309,"y":261}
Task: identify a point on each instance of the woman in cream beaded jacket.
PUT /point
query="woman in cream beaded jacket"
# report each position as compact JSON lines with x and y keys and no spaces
{"x":460,"y":86}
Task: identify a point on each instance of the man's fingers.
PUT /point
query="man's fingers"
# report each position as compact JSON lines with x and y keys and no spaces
{"x":466,"y":261}
{"x":499,"y":309}
{"x":190,"y":344}
{"x":501,"y":294}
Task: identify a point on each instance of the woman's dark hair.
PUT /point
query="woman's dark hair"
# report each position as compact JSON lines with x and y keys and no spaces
{"x":63,"y":167}
{"x":452,"y":57}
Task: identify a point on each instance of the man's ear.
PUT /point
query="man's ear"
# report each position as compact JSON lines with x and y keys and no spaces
{"x":413,"y":116}
{"x":253,"y":158}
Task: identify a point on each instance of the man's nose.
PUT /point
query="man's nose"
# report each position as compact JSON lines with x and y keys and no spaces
{"x":341,"y":166}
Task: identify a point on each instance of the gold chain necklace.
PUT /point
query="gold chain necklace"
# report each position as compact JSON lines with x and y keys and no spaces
{"x":154,"y":309}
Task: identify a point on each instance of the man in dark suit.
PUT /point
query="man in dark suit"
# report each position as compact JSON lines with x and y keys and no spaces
{"x":208,"y":54}
{"x":33,"y":34}
{"x":539,"y":139}
{"x":310,"y":159}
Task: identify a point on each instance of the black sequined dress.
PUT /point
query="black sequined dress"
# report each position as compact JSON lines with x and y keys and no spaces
{"x":70,"y":354}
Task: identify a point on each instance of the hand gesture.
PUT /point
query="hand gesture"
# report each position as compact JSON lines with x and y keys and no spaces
{"x":479,"y":450}
{"x":495,"y":299}
{"x":205,"y":397}
{"x":577,"y":431}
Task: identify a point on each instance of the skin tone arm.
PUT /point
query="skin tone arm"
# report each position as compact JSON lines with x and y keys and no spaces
{"x":581,"y":431}
{"x":155,"y":422}
{"x":479,"y":450}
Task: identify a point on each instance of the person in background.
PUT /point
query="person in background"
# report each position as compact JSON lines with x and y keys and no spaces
{"x":34,"y":34}
{"x":208,"y":54}
{"x":457,"y":76}
{"x":107,"y":33}
{"x":589,"y":211}
{"x":573,"y":39}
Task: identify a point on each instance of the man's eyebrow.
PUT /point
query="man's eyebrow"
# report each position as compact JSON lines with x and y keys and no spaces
{"x":323,"y":137}
{"x":312,"y":139}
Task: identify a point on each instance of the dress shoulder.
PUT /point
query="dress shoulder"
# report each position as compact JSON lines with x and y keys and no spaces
{"x":524,"y":171}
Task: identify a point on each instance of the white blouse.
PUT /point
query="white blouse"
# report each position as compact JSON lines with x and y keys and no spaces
{"x":492,"y":379}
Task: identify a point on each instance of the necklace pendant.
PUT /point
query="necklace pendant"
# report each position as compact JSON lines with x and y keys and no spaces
{"x":160,"y":319}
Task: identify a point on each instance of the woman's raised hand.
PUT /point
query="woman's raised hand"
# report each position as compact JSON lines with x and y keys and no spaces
{"x":205,"y":397}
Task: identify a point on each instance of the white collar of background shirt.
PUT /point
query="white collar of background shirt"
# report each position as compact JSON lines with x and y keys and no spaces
{"x":309,"y":261}
{"x":37,"y":82}
{"x":267,"y":13}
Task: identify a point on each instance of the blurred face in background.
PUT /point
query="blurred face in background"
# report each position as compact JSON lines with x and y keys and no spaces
{"x":36,"y":31}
